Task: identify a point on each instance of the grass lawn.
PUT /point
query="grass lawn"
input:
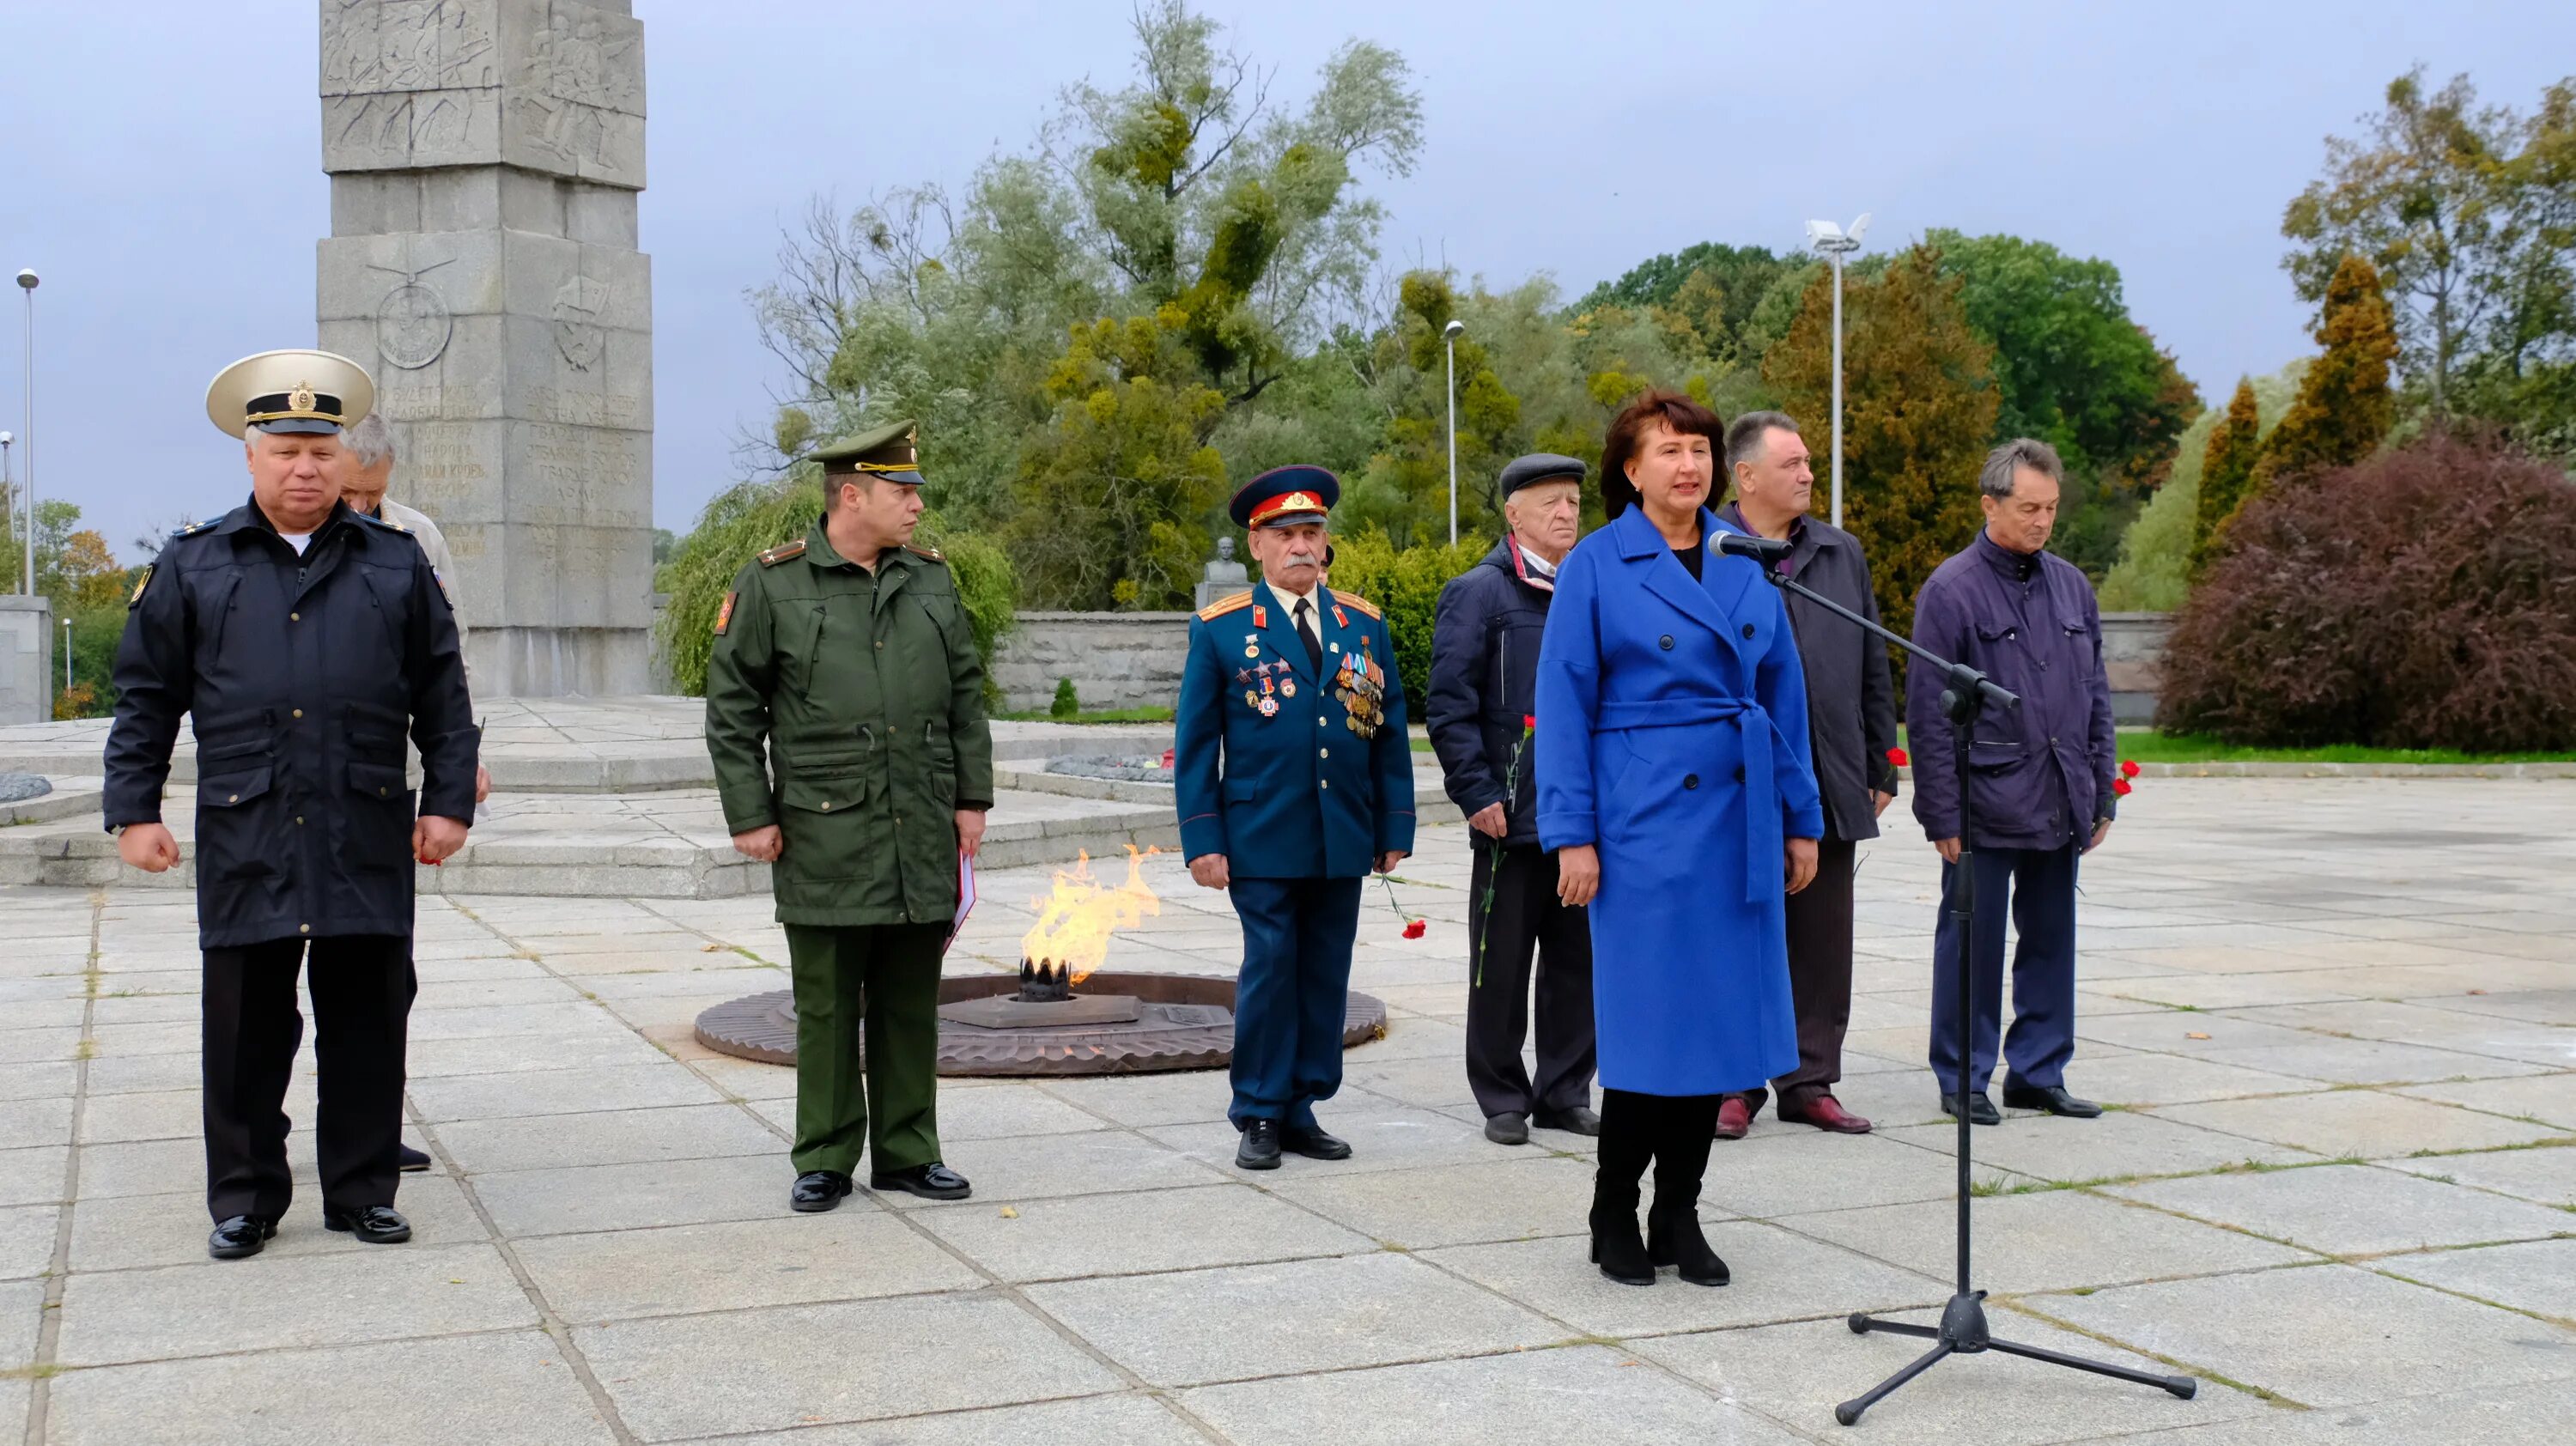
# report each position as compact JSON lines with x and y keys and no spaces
{"x":1105,"y":715}
{"x":2146,"y":745}
{"x":2149,"y":746}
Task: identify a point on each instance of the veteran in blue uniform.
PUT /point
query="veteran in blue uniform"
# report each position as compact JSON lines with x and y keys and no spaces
{"x":1294,"y":778}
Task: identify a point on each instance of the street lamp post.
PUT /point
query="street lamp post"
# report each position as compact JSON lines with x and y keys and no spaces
{"x":27,"y":284}
{"x":67,"y":655}
{"x":1837,"y":243}
{"x":8,"y":488}
{"x":1449,"y":340}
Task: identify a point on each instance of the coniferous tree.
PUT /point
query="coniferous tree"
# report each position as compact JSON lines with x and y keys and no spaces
{"x":2345,"y":406}
{"x":2226,"y":469}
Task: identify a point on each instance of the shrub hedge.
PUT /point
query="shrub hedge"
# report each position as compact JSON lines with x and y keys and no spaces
{"x":2422,"y":598}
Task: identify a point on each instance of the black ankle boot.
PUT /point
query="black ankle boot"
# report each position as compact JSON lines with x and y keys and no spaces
{"x":1616,"y":1246}
{"x":1674,"y":1238}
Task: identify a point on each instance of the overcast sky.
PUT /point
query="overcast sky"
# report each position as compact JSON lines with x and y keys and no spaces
{"x":163,"y":174}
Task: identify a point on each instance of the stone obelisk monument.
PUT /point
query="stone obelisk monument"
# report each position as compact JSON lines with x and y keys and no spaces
{"x":485,"y":157}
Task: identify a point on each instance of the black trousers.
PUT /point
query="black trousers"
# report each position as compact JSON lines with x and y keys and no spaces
{"x":1820,"y":978}
{"x":362,"y":987}
{"x":1527,"y":917}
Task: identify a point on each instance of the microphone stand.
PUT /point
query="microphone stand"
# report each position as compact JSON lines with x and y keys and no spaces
{"x":1962,"y":1330}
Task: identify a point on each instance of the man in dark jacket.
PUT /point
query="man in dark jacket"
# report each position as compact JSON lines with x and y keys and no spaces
{"x":2041,"y":774}
{"x":1484,"y":671}
{"x":303,"y":639}
{"x":1851,"y":718}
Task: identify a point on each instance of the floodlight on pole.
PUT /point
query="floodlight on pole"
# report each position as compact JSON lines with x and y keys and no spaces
{"x":1837,"y":243}
{"x":1449,"y":339}
{"x":27,"y":284}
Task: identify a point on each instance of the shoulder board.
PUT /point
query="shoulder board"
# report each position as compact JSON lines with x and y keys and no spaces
{"x":1224,"y":605}
{"x":373,"y":520}
{"x":193,"y":528}
{"x":1356,"y":603}
{"x":783,"y":552}
{"x":928,"y":553}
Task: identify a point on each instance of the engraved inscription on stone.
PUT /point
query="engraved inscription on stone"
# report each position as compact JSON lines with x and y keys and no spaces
{"x":577,"y":331}
{"x":586,"y":409}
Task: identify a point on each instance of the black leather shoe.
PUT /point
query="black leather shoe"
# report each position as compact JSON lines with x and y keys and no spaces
{"x":372,"y":1224}
{"x":1311,"y":1142}
{"x":1579,"y":1120}
{"x":817,"y":1190}
{"x":1260,"y":1147}
{"x":414,"y":1161}
{"x":240,"y":1237}
{"x":2052,"y":1098}
{"x":1507,"y":1129}
{"x":933,"y":1181}
{"x":1981,"y":1109}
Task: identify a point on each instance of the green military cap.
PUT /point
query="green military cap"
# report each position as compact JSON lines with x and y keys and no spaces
{"x":888,"y":451}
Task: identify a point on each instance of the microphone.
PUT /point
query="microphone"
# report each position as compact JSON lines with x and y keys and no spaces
{"x":1764,"y":550}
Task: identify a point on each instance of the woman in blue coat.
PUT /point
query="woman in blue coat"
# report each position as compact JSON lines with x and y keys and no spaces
{"x":1675,"y":785}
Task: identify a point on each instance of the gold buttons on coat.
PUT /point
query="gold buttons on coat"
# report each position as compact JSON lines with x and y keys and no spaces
{"x":303,"y":928}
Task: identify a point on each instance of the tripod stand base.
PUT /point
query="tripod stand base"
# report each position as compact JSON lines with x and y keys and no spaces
{"x":1963,"y":1332}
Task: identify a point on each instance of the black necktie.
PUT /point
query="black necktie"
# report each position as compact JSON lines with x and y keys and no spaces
{"x":1306,"y":630}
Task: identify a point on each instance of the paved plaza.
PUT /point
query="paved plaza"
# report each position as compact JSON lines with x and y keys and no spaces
{"x":2338,"y":1016}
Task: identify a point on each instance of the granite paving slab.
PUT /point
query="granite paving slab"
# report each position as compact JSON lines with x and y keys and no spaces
{"x":1126,"y":1420}
{"x":788,"y":1260}
{"x":642,"y":1195}
{"x":2352,"y":1209}
{"x":2120,"y":1144}
{"x":1159,"y":1230}
{"x":611,"y":1137}
{"x":1584,"y":1393}
{"x":2053,"y":1239}
{"x":27,"y":1240}
{"x":1521,"y":1195}
{"x":1800,"y":1171}
{"x":1204,"y":1326}
{"x":2538,"y":1276}
{"x":521,"y":1392}
{"x":2328,"y":1335}
{"x":2549,"y":1099}
{"x":759,"y":1370}
{"x":125,"y":1232}
{"x":2546,"y":1174}
{"x":523,"y":1093}
{"x":222,"y":1307}
{"x":1798,"y":1373}
{"x":2539,"y":1415}
{"x":2364,"y":1123}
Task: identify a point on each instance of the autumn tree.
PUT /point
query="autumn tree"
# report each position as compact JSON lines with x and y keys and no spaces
{"x":1919,"y":405}
{"x":2345,"y":406}
{"x":2226,"y":469}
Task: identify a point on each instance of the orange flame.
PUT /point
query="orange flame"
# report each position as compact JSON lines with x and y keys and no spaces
{"x":1077,"y":918}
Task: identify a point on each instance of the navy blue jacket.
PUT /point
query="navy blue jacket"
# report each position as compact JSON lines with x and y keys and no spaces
{"x":2042,"y":772}
{"x":301,"y":675}
{"x":1484,"y":681}
{"x":1297,"y":792}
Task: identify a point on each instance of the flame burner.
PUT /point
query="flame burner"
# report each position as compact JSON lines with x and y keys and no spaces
{"x":1045,"y":982}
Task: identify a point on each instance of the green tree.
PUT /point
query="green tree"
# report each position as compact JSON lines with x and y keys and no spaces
{"x":1114,"y":494}
{"x":2154,"y":570}
{"x":2525,"y":378}
{"x":2420,"y":196}
{"x":2345,"y":407}
{"x":1710,"y":290}
{"x":1405,"y":491}
{"x":1919,"y":404}
{"x":2226,"y":469}
{"x":2075,"y":370}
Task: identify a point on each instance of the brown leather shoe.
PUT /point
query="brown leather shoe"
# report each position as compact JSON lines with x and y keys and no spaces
{"x":1826,"y":1113}
{"x":1734,"y":1120}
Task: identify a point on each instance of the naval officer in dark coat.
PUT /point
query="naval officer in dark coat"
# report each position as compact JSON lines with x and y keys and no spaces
{"x":1294,"y":778}
{"x":304,"y":640}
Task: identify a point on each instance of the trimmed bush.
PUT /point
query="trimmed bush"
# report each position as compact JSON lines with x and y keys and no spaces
{"x":1066,"y":706}
{"x":1405,"y":585}
{"x":2423,"y":598}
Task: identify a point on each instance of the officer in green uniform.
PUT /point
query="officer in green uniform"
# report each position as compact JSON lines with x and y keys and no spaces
{"x":847,"y":652}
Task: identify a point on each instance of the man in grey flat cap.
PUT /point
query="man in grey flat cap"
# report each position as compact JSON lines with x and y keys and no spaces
{"x":1484,"y":671}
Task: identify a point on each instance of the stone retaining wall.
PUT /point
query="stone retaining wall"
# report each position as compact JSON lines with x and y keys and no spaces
{"x":1116,"y":660}
{"x":2133,"y":652}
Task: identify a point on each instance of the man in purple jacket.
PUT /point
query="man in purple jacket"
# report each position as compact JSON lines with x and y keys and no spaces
{"x":2042,"y":776}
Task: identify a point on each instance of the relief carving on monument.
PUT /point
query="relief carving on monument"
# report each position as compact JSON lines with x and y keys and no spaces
{"x":412,"y":322}
{"x":375,"y":47}
{"x":576,"y":316}
{"x":577,"y":95}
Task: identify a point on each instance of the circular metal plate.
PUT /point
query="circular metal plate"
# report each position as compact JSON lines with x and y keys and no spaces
{"x":1186,"y":1022}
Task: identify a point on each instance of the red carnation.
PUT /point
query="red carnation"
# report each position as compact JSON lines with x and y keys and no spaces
{"x":1898,"y":757}
{"x":1167,"y":758}
{"x":1414,"y":930}
{"x":2121,"y":787}
{"x":1528,"y":721}
{"x":2128,"y":768}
